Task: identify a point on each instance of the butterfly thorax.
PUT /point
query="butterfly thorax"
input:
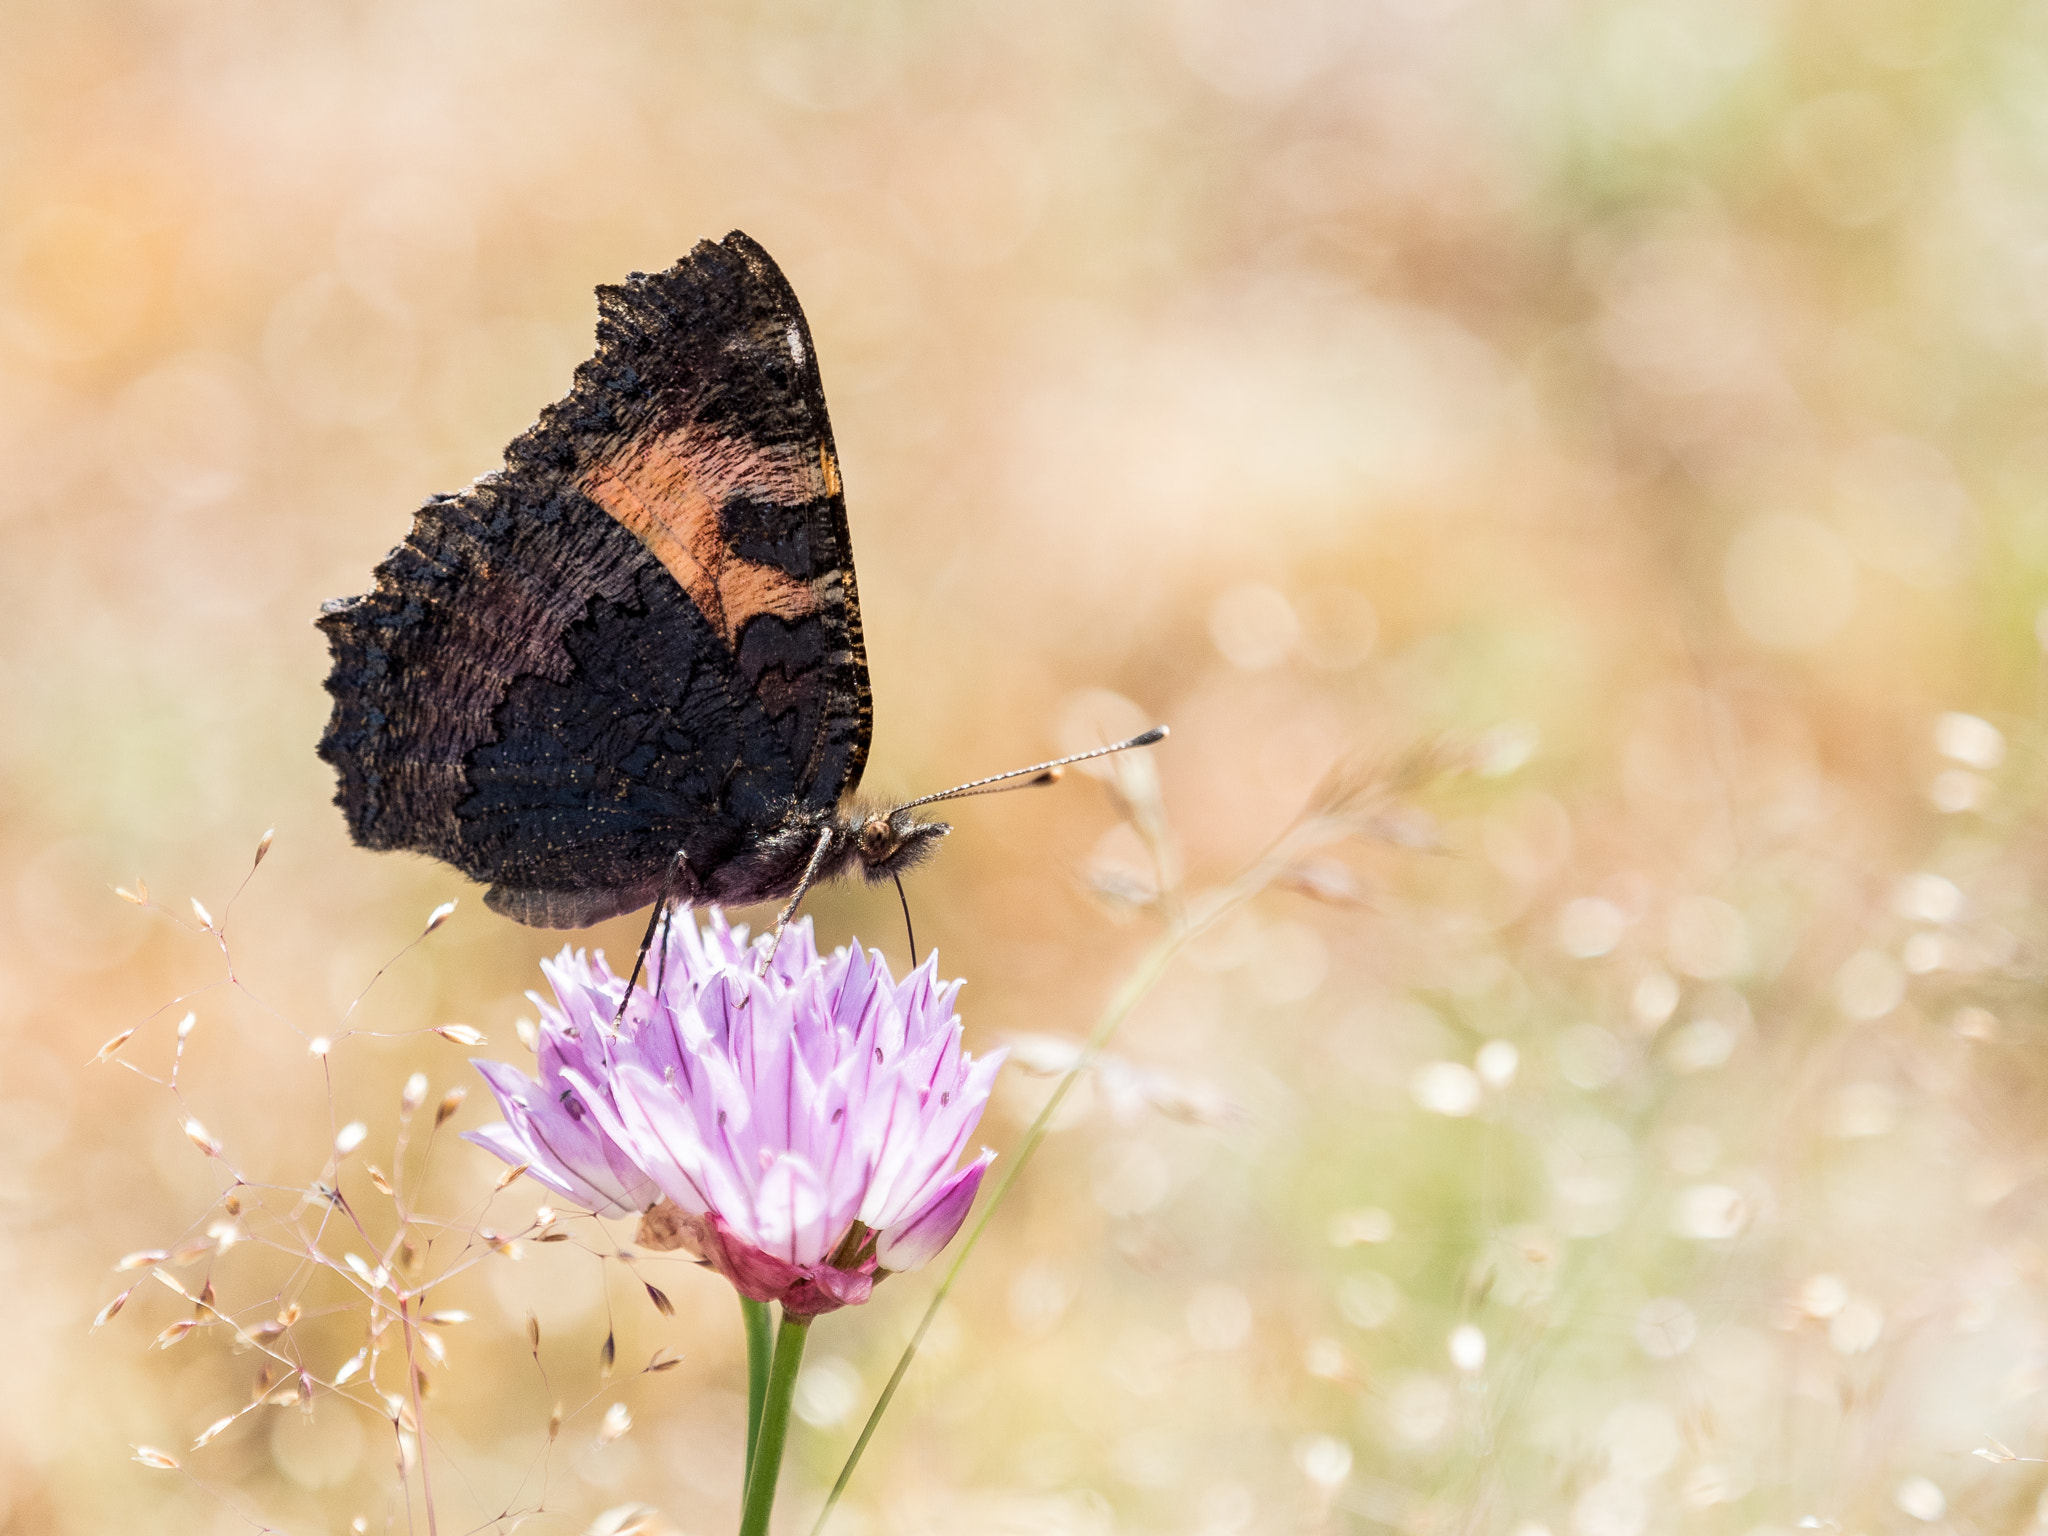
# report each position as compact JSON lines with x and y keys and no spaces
{"x":875,"y":842}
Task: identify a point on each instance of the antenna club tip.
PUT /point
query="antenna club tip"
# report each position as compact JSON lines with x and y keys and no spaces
{"x":1157,"y":733}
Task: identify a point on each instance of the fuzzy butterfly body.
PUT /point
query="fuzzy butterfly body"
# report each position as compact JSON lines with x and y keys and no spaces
{"x":628,"y":665}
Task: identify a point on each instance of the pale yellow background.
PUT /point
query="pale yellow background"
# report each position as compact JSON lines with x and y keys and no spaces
{"x":1650,"y":393}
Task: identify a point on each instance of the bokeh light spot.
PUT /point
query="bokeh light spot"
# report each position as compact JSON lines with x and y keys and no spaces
{"x":1708,"y":938}
{"x":1445,"y":1088}
{"x":1590,"y":1057}
{"x":1790,"y":582}
{"x":1970,"y":740}
{"x":1467,"y":1346}
{"x":1665,"y":1328}
{"x":827,"y":1392}
{"x":1590,"y":927}
{"x":1368,"y":1300}
{"x":1324,"y":1460}
{"x":1710,"y":1212}
{"x":1219,"y":1317}
{"x":1922,"y":1498}
{"x":1869,"y":985}
{"x":1497,"y":1062}
{"x":1253,"y":626}
{"x":1131,"y":1178}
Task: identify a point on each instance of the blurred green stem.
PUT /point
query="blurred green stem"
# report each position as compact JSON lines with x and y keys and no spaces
{"x":1311,"y":829}
{"x":765,"y":1465}
{"x":1149,"y":971}
{"x":759,"y":1345}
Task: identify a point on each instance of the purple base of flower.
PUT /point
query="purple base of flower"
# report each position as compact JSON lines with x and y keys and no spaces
{"x":805,"y":1290}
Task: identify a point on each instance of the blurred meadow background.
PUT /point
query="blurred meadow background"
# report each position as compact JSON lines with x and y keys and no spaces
{"x":1637,"y":408}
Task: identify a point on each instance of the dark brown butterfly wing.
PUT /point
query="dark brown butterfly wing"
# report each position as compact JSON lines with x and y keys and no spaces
{"x":641,"y":636}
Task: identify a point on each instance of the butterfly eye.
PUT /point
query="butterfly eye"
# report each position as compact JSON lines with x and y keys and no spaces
{"x":875,"y":838}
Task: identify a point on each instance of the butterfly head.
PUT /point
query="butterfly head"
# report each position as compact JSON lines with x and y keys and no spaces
{"x":888,"y":842}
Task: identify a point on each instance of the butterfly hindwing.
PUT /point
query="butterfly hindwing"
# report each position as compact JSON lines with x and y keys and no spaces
{"x":641,"y":637}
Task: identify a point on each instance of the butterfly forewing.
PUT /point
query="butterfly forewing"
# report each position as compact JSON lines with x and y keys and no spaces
{"x":642,"y":636}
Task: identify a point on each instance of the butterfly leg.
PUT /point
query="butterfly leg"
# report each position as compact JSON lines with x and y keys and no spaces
{"x":796,"y":898}
{"x":668,"y":918}
{"x":672,"y":885}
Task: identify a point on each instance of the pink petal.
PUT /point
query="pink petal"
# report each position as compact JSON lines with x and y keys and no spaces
{"x":916,"y":1242}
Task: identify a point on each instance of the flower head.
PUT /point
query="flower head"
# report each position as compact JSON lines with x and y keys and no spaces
{"x":799,"y":1129}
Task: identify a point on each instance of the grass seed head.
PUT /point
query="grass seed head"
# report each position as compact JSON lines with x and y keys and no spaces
{"x":106,"y":1052}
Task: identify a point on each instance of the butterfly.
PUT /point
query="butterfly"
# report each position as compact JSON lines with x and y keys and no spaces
{"x":627,"y":668}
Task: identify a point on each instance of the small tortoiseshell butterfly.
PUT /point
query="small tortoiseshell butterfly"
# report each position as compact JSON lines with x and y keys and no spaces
{"x":627,"y":668}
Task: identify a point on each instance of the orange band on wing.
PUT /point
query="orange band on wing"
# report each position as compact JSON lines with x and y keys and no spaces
{"x":668,"y":492}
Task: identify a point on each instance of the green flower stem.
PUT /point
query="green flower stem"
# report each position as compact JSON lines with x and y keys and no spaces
{"x":760,"y":1343}
{"x":774,"y":1424}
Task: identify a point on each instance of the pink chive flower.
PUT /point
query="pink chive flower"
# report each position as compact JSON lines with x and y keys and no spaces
{"x":798,"y":1130}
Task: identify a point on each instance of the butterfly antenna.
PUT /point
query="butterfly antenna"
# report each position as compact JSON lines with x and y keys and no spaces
{"x":803,"y":885}
{"x":1037,"y":773}
{"x":909,"y":932}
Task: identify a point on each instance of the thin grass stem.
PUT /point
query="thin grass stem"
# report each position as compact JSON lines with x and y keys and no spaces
{"x":1149,"y":970}
{"x":1185,"y":924}
{"x":412,"y":1371}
